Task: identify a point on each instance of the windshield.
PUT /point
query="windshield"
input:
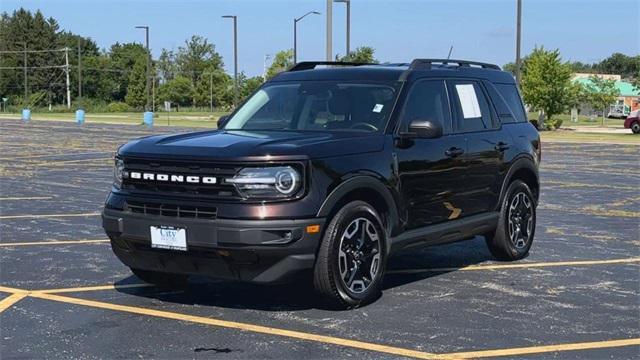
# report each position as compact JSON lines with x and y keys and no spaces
{"x":316,"y":105}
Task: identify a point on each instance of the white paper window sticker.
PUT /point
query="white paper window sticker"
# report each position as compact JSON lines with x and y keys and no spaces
{"x":468,"y":101}
{"x":378,"y":108}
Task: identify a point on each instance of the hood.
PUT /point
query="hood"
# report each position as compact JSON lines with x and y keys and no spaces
{"x":254,"y":145}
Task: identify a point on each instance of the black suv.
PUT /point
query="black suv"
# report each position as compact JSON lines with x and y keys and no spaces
{"x":331,"y":168}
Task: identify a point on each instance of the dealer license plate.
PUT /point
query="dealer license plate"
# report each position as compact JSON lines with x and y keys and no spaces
{"x":168,"y":237}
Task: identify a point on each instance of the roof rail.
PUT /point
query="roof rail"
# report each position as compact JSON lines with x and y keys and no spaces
{"x":426,"y":63}
{"x":308,"y":65}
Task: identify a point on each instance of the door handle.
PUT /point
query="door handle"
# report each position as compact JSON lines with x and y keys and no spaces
{"x":454,"y":152}
{"x":501,"y":146}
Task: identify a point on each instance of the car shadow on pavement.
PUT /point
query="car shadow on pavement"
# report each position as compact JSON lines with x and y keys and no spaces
{"x":406,"y":267}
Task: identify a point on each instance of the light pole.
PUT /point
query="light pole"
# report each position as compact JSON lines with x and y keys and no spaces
{"x":329,"y":30}
{"x":348,"y":3}
{"x":295,"y":34}
{"x":518,"y":32}
{"x":146,"y":85}
{"x":235,"y":56}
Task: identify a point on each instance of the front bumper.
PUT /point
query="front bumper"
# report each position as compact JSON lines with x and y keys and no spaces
{"x":262,"y":251}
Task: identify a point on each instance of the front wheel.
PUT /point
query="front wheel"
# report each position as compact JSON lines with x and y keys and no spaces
{"x":352,"y":257}
{"x":635,"y":127}
{"x":516,"y":226}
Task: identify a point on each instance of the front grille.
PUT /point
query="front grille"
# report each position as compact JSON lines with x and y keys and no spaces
{"x":180,"y":211}
{"x":219,"y":190}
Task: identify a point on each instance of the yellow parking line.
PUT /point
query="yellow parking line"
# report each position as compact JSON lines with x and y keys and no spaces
{"x":10,"y":300}
{"x":543,"y":349}
{"x":523,"y":265}
{"x":11,"y":290}
{"x":18,"y":294}
{"x":240,"y":326}
{"x":27,"y":198}
{"x":93,"y":288}
{"x":40,"y":216}
{"x":53,"y":242}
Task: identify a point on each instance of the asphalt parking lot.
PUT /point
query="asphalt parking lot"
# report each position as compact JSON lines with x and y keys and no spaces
{"x":63,"y":294}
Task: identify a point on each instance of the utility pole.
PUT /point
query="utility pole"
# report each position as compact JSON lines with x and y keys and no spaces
{"x":26,"y":94}
{"x":235,"y":56}
{"x":79,"y":69}
{"x":147,"y":86}
{"x":329,"y":30}
{"x":66,"y":67}
{"x":518,"y":36}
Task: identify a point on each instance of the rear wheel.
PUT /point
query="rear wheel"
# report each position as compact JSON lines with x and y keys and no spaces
{"x":635,"y":127}
{"x":351,"y":259}
{"x":516,"y":226}
{"x":160,"y":279}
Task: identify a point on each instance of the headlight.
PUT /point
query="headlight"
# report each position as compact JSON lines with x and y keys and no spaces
{"x":118,"y":170}
{"x":267,"y":182}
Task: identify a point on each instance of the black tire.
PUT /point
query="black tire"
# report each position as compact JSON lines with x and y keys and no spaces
{"x":160,"y":279}
{"x":339,"y":250}
{"x":512,"y":241}
{"x":635,"y":127}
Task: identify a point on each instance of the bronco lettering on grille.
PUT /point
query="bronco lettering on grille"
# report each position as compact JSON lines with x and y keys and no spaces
{"x":191,"y":179}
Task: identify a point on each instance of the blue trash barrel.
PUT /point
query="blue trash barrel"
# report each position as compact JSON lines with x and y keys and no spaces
{"x":80,"y":116}
{"x":26,"y":114}
{"x":148,"y":118}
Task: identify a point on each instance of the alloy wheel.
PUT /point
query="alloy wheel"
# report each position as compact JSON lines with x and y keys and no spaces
{"x":520,"y":220}
{"x":359,"y":255}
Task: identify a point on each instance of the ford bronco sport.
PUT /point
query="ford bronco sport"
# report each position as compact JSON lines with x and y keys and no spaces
{"x":331,"y":170}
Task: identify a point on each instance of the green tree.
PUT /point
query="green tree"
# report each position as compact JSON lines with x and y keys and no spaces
{"x":136,"y":95}
{"x":362,"y":54}
{"x":546,"y":84}
{"x":213,"y":87}
{"x":281,"y":62}
{"x":38,"y":33}
{"x":510,"y":67}
{"x":635,"y":81}
{"x":196,"y":56}
{"x":601,"y":93}
{"x":620,"y":64}
{"x":249,"y":85}
{"x":177,"y":90}
{"x":123,"y":59}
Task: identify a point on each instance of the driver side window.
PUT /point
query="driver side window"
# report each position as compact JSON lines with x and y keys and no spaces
{"x":428,"y":100}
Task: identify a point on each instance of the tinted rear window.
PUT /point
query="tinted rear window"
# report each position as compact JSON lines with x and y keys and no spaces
{"x":511,"y":96}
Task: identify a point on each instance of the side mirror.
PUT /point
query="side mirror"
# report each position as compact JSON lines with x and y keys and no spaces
{"x":222,"y":121}
{"x":425,"y":129}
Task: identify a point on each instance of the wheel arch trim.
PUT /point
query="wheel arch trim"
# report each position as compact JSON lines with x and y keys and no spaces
{"x":357,"y":183}
{"x":519,"y":164}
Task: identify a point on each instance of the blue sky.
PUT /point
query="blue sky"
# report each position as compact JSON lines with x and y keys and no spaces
{"x":399,"y":30}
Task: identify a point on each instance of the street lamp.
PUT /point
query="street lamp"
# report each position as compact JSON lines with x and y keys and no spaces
{"x":146,"y":86}
{"x":348,"y":3}
{"x":295,"y":34}
{"x":235,"y":56}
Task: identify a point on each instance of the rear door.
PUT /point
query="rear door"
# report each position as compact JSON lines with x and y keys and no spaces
{"x":476,"y":121}
{"x":431,"y":174}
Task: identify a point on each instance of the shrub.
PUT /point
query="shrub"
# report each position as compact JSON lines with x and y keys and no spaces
{"x":117,"y":107}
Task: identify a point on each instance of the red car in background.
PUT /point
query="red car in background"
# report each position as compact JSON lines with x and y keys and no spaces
{"x":633,"y":121}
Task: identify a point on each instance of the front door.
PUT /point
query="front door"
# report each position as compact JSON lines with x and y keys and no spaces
{"x":430,"y":170}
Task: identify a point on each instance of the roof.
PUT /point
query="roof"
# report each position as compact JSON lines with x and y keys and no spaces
{"x":625,"y":88}
{"x":393,"y":72}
